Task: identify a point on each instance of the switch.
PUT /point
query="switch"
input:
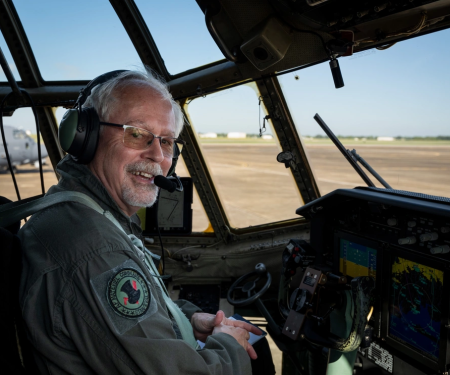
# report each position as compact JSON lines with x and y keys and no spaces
{"x":440,"y":249}
{"x":432,"y":236}
{"x":412,"y":224}
{"x":445,"y":229}
{"x":407,"y":240}
{"x":392,"y":222}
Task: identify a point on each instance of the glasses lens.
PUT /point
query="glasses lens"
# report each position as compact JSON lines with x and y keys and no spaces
{"x":167,"y":146}
{"x":136,"y":138}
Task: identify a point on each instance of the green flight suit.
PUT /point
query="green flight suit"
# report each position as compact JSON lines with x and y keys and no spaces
{"x":91,"y":305}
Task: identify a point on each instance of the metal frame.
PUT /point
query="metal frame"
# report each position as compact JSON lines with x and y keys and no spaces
{"x":140,"y":35}
{"x":288,"y":137}
{"x":23,"y":56}
{"x":189,"y":84}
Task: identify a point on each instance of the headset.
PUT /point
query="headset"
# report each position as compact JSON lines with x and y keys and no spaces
{"x":80,"y":127}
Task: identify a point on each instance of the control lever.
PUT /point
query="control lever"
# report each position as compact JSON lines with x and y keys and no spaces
{"x":298,"y":253}
{"x":302,"y":302}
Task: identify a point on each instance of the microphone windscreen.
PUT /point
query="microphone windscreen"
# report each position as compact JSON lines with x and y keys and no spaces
{"x":164,"y":183}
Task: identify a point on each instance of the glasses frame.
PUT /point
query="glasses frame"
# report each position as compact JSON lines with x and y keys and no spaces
{"x":178,"y":141}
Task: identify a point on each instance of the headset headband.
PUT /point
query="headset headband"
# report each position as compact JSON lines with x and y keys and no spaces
{"x":85,"y":92}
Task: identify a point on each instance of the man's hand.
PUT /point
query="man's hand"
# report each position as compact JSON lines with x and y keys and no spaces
{"x":241,"y":335}
{"x":204,"y":324}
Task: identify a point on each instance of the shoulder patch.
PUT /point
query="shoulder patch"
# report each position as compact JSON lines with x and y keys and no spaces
{"x":125,"y":296}
{"x":128,"y":293}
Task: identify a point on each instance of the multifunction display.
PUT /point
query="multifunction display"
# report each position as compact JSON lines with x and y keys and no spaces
{"x":357,"y":260}
{"x":414,"y":308}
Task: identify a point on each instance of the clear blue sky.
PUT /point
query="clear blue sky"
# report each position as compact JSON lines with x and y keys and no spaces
{"x":401,"y":91}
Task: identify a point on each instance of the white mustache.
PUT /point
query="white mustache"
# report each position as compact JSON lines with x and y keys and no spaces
{"x":142,"y":166}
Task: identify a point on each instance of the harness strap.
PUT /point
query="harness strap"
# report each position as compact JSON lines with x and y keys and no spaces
{"x":15,"y":211}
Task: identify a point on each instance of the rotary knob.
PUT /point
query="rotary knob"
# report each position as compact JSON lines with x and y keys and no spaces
{"x":407,"y":240}
{"x":440,"y":249}
{"x":432,"y":236}
{"x":392,"y":221}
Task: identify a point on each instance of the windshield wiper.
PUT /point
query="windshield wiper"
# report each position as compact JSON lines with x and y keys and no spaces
{"x":352,"y":157}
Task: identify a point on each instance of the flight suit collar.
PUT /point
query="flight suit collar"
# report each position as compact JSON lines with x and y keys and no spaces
{"x":78,"y":177}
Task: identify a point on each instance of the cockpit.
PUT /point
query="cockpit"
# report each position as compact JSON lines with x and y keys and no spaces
{"x":269,"y":215}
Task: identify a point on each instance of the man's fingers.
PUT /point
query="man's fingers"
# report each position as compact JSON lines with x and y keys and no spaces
{"x":220,"y":315}
{"x":248,"y":327}
{"x":251,"y":352}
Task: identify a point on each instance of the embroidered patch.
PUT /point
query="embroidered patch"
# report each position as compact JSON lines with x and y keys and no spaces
{"x":128,"y":293}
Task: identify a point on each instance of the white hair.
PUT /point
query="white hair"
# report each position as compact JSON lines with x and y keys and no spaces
{"x":104,"y":97}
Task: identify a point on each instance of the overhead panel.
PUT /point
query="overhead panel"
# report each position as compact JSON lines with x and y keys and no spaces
{"x":76,"y":40}
{"x":180,"y":33}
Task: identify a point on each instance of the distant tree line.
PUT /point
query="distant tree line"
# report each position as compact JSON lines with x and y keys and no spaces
{"x":373,"y":137}
{"x":225,"y":135}
{"x":366,"y":137}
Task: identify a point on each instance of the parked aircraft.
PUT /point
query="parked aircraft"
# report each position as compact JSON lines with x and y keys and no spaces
{"x":22,"y":149}
{"x":358,"y":279}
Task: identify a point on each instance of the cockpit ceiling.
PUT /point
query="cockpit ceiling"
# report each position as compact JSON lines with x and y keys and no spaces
{"x":373,"y":22}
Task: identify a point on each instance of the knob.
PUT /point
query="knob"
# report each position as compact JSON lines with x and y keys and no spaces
{"x":445,"y":229}
{"x":260,"y":269}
{"x":407,"y":240}
{"x":392,"y":221}
{"x":412,"y":224}
{"x":440,"y":249}
{"x":432,"y":236}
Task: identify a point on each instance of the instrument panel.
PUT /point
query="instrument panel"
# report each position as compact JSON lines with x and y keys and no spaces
{"x":402,"y":240}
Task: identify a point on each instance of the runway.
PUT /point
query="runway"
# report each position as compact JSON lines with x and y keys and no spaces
{"x":256,"y":189}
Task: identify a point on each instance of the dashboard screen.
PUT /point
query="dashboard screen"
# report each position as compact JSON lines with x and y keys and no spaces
{"x":356,"y":259}
{"x":415,"y":305}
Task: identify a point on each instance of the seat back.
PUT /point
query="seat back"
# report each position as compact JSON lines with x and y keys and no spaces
{"x":17,"y":356}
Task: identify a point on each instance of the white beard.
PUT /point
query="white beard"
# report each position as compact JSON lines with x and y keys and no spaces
{"x":140,"y":195}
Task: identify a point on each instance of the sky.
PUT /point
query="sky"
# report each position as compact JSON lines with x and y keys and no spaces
{"x":402,"y":91}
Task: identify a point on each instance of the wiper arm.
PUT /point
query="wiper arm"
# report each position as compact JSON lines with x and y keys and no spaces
{"x":370,"y":169}
{"x":352,"y":157}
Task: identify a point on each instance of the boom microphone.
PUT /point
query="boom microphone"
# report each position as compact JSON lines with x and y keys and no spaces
{"x":164,"y":183}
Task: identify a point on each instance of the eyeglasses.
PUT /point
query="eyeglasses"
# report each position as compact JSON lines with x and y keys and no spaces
{"x":141,"y":139}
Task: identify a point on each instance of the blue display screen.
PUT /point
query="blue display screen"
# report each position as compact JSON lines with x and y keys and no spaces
{"x":415,"y":305}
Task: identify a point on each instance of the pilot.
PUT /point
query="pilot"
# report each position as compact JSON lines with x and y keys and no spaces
{"x":91,"y":299}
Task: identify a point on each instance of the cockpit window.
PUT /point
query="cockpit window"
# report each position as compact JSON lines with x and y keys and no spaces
{"x":179,"y":30}
{"x":393,"y":112}
{"x":76,"y":40}
{"x":254,"y":188}
{"x":20,"y":132}
{"x":9,"y":60}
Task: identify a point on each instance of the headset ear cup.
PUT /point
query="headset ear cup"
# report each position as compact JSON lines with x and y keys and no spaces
{"x":90,"y":122}
{"x":68,"y":132}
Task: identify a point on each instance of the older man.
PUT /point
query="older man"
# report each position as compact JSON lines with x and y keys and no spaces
{"x":90,"y":302}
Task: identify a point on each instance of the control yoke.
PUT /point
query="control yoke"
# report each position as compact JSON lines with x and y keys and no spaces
{"x":247,"y":284}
